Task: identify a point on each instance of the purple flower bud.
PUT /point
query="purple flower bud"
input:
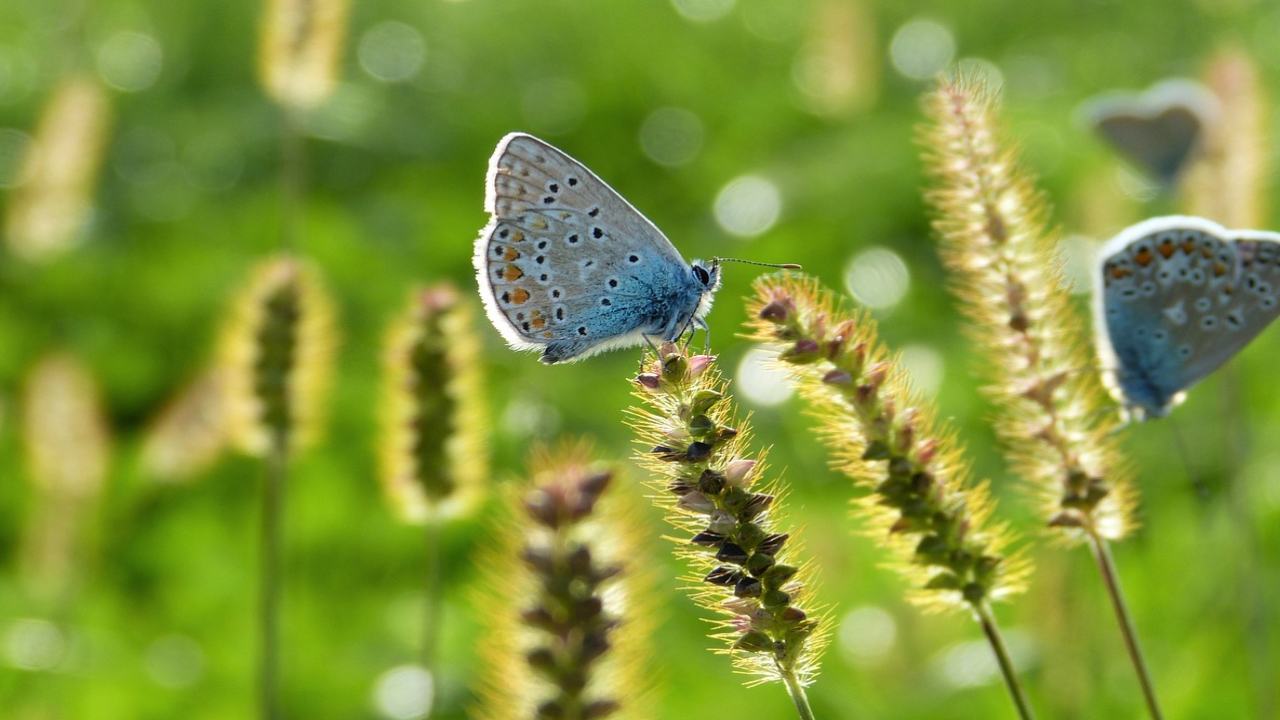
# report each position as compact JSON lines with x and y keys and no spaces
{"x":649,"y":381}
{"x":736,"y":472}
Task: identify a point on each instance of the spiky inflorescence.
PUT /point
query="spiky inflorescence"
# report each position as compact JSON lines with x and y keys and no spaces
{"x":567,"y":600}
{"x":1229,"y":181}
{"x":54,"y":200}
{"x":277,"y":358}
{"x":68,"y":452}
{"x":711,"y":489}
{"x":1006,"y":271}
{"x":433,"y":410}
{"x":190,"y":431}
{"x":882,"y":436}
{"x":301,"y":47}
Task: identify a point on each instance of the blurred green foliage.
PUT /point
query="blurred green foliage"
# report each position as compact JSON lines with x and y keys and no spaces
{"x":161,"y":624}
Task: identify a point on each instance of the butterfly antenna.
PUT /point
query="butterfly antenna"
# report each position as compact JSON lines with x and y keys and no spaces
{"x":1202,"y":490}
{"x":780,"y":266}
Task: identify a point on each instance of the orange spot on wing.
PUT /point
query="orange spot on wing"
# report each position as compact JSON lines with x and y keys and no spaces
{"x":1188,"y":246}
{"x":519,"y":296}
{"x":1166,"y":249}
{"x":512,"y":273}
{"x":517,"y":236}
{"x":1206,"y":252}
{"x":1219,"y":269}
{"x":511,"y":254}
{"x":1144,"y":257}
{"x":539,"y":322}
{"x":1120,"y":273}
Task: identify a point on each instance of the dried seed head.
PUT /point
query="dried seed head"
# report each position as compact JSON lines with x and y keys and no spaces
{"x":1006,"y":270}
{"x":432,"y":445}
{"x":277,"y":354}
{"x":301,"y":48}
{"x":52,"y":203}
{"x":713,"y":491}
{"x":68,"y":450}
{"x":568,"y":599}
{"x":919,"y":495}
{"x":190,"y":432}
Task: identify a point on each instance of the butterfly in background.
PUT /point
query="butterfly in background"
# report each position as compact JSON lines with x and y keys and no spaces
{"x":568,"y":267}
{"x":1158,"y":131}
{"x":1176,"y":298}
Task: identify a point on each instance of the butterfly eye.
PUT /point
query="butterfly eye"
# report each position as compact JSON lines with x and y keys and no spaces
{"x":703,"y":276}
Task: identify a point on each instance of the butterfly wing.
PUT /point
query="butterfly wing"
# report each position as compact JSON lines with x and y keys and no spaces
{"x":1179,"y":297}
{"x":1159,"y":130}
{"x":567,"y":265}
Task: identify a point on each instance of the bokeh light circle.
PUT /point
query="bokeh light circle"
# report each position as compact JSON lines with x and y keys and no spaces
{"x":748,"y":205}
{"x":878,"y":278}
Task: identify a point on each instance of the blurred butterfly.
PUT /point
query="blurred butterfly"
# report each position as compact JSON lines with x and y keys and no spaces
{"x":568,"y":267}
{"x":1159,"y":130}
{"x":1176,"y":298}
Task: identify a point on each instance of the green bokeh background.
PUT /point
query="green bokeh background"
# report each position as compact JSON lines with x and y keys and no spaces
{"x":188,"y":199}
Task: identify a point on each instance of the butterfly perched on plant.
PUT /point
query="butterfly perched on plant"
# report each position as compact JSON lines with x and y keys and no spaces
{"x":1160,"y":130}
{"x":569,"y":267}
{"x":1177,"y":297}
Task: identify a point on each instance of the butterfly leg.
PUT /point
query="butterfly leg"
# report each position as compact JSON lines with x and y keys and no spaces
{"x":706,"y":335}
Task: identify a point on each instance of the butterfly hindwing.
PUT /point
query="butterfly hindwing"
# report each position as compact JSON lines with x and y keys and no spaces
{"x":566,"y":264}
{"x":1179,"y":297}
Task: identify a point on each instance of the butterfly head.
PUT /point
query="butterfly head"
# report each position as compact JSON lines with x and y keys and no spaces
{"x":706,"y":275}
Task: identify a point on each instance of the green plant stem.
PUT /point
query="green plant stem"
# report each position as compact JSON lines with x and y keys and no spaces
{"x":1106,"y":566}
{"x":988,"y":622}
{"x":433,"y":602}
{"x":796,"y":690}
{"x":292,"y":177}
{"x":273,"y":499}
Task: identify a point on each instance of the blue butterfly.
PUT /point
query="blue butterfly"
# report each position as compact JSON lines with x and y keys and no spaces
{"x":1178,"y":297}
{"x":567,"y":266}
{"x":1159,"y":130}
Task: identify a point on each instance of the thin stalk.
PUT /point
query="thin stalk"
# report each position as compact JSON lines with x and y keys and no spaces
{"x":433,"y":605}
{"x":798,"y":696}
{"x":992,"y":632}
{"x":273,"y":498}
{"x":1106,"y":566}
{"x":292,"y":176}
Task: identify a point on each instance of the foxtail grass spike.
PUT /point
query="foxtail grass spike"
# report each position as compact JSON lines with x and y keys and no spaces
{"x":301,"y":50}
{"x":68,"y":453}
{"x":568,"y":600}
{"x":918,"y":496}
{"x":1229,"y":182}
{"x":277,"y":357}
{"x":190,"y":433}
{"x":52,"y":203}
{"x":432,"y":450}
{"x":747,"y":567}
{"x":1006,"y":270}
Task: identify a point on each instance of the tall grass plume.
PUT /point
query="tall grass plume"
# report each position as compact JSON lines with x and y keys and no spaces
{"x":52,"y":203}
{"x":68,"y":453}
{"x":432,"y":447}
{"x":916,"y":493}
{"x":568,"y":601}
{"x":746,"y":566}
{"x":189,"y":433}
{"x":1006,"y":270}
{"x":277,"y":356}
{"x":277,"y":361}
{"x":301,"y":49}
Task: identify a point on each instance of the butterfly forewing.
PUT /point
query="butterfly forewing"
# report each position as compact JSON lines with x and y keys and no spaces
{"x":565,"y":262}
{"x":1180,"y":297}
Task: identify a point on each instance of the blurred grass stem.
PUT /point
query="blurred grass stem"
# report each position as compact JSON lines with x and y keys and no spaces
{"x":292,"y":176}
{"x":1106,"y":566}
{"x":992,"y":632}
{"x":433,"y":602}
{"x":273,"y":497}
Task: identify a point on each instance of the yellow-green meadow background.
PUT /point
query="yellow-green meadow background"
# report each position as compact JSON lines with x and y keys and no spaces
{"x":776,"y":130}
